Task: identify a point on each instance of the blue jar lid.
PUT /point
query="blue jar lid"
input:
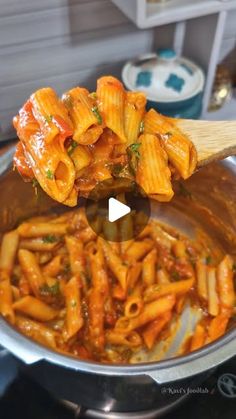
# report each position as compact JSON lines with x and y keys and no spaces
{"x":164,"y":77}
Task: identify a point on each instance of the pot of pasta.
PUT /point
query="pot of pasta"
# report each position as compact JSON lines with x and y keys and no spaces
{"x":109,"y":323}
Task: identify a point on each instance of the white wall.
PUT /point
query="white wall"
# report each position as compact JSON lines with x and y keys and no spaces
{"x":228,"y":47}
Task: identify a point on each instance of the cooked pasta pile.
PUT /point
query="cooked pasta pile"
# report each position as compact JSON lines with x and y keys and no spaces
{"x":74,"y":292}
{"x":68,"y":145}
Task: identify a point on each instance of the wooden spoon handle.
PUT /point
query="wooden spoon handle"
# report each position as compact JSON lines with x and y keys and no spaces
{"x":214,"y":140}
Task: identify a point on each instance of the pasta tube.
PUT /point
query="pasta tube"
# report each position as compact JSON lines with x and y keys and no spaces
{"x":153,"y":329}
{"x":180,"y":150}
{"x":6,"y":300}
{"x":135,"y":103}
{"x":8,"y":250}
{"x":198,"y":339}
{"x":35,"y":308}
{"x":51,"y":115}
{"x":74,"y":319}
{"x":111,"y":104}
{"x":51,"y":165}
{"x":156,"y":291}
{"x":153,"y":173}
{"x":31,"y":270}
{"x":37,"y":331}
{"x":149,"y":268}
{"x":118,"y":268}
{"x":213,"y":301}
{"x":84,"y":114}
{"x":225,"y":283}
{"x":150,"y":312}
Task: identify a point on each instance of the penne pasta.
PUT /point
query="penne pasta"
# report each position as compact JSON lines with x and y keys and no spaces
{"x":31,"y":270}
{"x":153,"y":174}
{"x":115,"y":264}
{"x":30,"y":230}
{"x":51,"y":115}
{"x":111,"y":104}
{"x":152,"y":330}
{"x":150,"y":312}
{"x":8,"y":250}
{"x":35,"y":309}
{"x":156,"y":291}
{"x":6,"y":300}
{"x":135,"y":103}
{"x":149,"y":268}
{"x":180,"y":150}
{"x":130,"y":340}
{"x":37,"y":331}
{"x":201,"y":270}
{"x":138,"y":250}
{"x":213,"y":301}
{"x":96,"y":316}
{"x":83,"y":111}
{"x":225,"y":283}
{"x":74,"y":319}
{"x":198,"y":339}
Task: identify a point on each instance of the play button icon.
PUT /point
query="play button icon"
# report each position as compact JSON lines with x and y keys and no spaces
{"x":117,"y":209}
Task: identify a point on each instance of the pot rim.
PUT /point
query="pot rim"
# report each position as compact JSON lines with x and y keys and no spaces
{"x":31,"y":352}
{"x":161,"y":371}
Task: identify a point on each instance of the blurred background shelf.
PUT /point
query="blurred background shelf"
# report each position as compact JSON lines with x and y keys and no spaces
{"x":227,"y":112}
{"x":147,"y":13}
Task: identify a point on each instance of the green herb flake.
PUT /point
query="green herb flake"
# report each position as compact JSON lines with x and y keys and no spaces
{"x":133,"y":157}
{"x":175,"y":275}
{"x":167,"y":135}
{"x":134,"y":148}
{"x":93,"y":95}
{"x":73,"y":303}
{"x":141,"y":128}
{"x":97,"y":114}
{"x":35,"y":183}
{"x":72,"y":147}
{"x":48,"y":118}
{"x":49,"y":239}
{"x":234,"y":267}
{"x":184,"y":191}
{"x":49,"y":174}
{"x":208,"y":260}
{"x":50,"y":290}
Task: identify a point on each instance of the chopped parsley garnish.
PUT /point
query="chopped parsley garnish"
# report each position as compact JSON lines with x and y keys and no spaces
{"x":71,"y":148}
{"x":175,"y":275}
{"x":141,"y":128}
{"x":133,"y":157}
{"x":184,"y":191}
{"x":48,"y":118}
{"x":49,"y":174}
{"x":35,"y":183}
{"x":208,"y":260}
{"x":73,"y":303}
{"x":97,"y":114}
{"x":49,"y":239}
{"x":50,"y":289}
{"x":93,"y":95}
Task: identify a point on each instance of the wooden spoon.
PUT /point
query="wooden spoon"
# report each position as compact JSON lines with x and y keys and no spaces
{"x":214,"y":140}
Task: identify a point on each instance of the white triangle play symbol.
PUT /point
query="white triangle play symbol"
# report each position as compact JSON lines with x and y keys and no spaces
{"x":116,"y":209}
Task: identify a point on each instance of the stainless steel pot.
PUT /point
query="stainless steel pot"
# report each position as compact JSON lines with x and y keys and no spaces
{"x":134,"y":387}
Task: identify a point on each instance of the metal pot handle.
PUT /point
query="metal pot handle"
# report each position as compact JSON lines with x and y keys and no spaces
{"x":197,"y":363}
{"x":24,"y":350}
